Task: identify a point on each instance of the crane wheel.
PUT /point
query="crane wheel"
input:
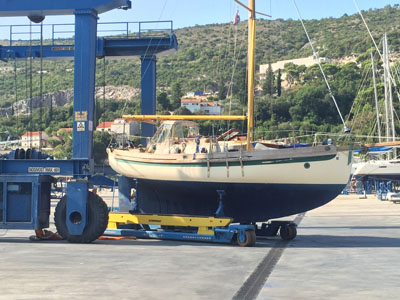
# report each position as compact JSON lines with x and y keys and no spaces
{"x":96,"y":223}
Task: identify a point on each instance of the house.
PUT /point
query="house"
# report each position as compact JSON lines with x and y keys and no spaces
{"x":201,"y":102}
{"x":66,"y":129}
{"x":126,"y":127}
{"x":120,"y":126}
{"x":104,"y":126}
{"x":208,"y":107}
{"x":34,"y":139}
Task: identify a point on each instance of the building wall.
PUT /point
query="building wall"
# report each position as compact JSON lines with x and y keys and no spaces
{"x":306,"y":61}
{"x":131,"y":128}
{"x":35,"y":142}
{"x":105,"y":129}
{"x":211,"y":110}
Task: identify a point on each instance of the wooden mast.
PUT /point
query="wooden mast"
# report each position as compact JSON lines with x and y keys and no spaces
{"x":250,"y":76}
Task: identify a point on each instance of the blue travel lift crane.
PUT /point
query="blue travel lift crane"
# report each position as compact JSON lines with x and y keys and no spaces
{"x":82,"y":216}
{"x":25,"y":177}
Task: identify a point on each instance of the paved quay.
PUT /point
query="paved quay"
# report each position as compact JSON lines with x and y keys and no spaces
{"x":348,"y":249}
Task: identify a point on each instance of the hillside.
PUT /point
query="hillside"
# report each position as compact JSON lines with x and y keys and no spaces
{"x":208,"y":57}
{"x":205,"y":54}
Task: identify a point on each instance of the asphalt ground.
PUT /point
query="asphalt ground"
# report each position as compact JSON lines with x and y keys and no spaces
{"x":348,"y":249}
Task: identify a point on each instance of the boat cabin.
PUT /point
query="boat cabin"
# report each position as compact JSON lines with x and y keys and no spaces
{"x":178,"y":136}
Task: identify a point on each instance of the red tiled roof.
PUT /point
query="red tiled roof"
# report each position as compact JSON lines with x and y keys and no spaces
{"x":33,"y":133}
{"x":104,"y":125}
{"x":65,"y":130}
{"x":190,"y":100}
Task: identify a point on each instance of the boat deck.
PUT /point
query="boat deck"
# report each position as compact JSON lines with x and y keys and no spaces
{"x":348,"y":249}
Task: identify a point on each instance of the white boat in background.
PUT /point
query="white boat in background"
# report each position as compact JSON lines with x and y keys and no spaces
{"x":379,"y":166}
{"x":378,"y":170}
{"x":181,"y":172}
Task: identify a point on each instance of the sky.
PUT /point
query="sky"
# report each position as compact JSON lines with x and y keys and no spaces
{"x":185,"y":13}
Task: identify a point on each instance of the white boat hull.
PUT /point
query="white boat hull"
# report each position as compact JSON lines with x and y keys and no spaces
{"x":274,"y":184}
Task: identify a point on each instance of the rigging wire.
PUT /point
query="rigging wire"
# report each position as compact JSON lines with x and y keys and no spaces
{"x":104,"y":90}
{"x":220,"y":69}
{"x":16,"y":93}
{"x":145,"y":54}
{"x":377,"y":49}
{"x":236,"y":57}
{"x":30,"y":88}
{"x":320,"y":66}
{"x":356,"y":107}
{"x":41,"y":88}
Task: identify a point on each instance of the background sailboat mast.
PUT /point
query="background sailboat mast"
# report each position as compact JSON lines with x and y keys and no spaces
{"x":385,"y":81}
{"x":250,"y":92}
{"x":378,"y":121}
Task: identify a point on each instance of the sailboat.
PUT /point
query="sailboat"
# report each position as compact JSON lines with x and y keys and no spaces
{"x":382,"y":169}
{"x":182,"y":172}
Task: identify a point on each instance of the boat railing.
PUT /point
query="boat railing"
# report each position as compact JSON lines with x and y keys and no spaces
{"x":299,"y":138}
{"x":213,"y":144}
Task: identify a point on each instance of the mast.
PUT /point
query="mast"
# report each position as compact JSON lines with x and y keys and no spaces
{"x":385,"y":81}
{"x":250,"y":76}
{"x":390,"y":94}
{"x":389,"y":75}
{"x":376,"y":99}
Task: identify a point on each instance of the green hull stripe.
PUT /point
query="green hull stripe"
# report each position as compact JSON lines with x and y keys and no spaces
{"x":235,"y":163}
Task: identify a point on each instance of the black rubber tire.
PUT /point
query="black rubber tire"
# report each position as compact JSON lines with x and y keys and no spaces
{"x":288,"y":232}
{"x":97,"y":220}
{"x":250,"y":239}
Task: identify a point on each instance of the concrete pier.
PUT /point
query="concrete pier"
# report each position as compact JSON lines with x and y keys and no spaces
{"x":348,"y":249}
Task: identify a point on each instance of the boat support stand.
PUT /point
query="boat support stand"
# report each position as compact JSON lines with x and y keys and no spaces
{"x":287,"y":229}
{"x":181,"y":227}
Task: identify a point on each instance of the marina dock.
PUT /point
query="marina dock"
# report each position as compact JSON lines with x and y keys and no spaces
{"x":348,"y":249}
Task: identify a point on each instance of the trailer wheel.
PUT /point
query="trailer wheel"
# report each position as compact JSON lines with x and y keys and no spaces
{"x":97,"y":220}
{"x":250,"y":239}
{"x":288,"y":232}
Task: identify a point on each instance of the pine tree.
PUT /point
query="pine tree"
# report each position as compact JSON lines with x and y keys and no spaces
{"x":268,"y":86}
{"x":176,"y":94}
{"x":279,"y":83}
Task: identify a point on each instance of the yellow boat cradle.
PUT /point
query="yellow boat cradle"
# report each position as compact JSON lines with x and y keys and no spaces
{"x":194,"y":228}
{"x":176,"y":227}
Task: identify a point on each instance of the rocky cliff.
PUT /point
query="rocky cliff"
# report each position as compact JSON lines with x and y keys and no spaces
{"x":66,"y":97}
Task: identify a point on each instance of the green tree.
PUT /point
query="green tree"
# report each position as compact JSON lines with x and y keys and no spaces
{"x":162,"y":99}
{"x":292,"y":72}
{"x":222,"y":90}
{"x":53,"y":142}
{"x":279,"y":83}
{"x":101,"y":140}
{"x":182,"y":111}
{"x":268,"y":86}
{"x":176,"y":95}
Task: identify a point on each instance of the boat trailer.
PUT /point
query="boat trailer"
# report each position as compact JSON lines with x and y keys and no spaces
{"x":195,"y":228}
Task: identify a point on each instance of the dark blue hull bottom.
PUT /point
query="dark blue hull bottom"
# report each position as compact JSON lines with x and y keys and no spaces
{"x":242,"y":202}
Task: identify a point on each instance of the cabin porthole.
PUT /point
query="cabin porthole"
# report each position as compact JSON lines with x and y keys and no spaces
{"x":307,"y":165}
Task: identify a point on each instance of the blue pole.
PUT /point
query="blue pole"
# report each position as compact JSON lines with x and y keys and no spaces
{"x":82,"y":142}
{"x":84,"y":82}
{"x":148,"y":84}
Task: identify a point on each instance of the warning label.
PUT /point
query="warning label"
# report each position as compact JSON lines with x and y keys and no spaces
{"x":80,"y":126}
{"x":81,"y":116}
